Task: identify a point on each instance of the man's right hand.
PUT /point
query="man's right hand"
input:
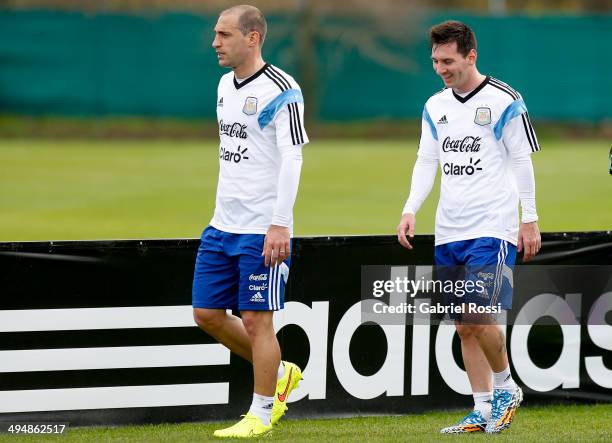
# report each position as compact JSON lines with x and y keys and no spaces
{"x":406,"y":225}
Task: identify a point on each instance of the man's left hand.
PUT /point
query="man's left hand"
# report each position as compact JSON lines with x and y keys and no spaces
{"x":529,"y":239}
{"x":277,"y":245}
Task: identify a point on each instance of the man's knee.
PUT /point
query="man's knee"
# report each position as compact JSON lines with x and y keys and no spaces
{"x":209,"y":319}
{"x":257,"y":322}
{"x":468,"y":331}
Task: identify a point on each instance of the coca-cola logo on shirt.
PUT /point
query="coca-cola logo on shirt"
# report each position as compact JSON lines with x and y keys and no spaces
{"x":237,"y":130}
{"x":467,"y":144}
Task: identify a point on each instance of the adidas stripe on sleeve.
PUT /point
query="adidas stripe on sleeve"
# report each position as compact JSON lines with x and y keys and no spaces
{"x":515,"y":128}
{"x":289,"y":123}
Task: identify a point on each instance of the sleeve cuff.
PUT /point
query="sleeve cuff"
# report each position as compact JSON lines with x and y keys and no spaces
{"x":281,"y":220}
{"x":409,"y":209}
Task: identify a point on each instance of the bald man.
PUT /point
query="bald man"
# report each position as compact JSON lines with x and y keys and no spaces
{"x":244,"y":256}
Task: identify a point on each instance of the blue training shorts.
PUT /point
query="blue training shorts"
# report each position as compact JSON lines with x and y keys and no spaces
{"x":487,"y":261}
{"x":230,"y":274}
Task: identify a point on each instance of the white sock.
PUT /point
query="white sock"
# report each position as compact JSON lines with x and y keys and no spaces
{"x":503,"y":380}
{"x":262,"y":407}
{"x":482,"y":403}
{"x":281,"y":371}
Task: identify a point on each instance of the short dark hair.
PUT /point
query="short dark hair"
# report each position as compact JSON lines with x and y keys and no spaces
{"x":453,"y":31}
{"x":250,"y":19}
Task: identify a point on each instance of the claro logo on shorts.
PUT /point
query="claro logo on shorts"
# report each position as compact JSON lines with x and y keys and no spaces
{"x":258,"y":277}
{"x":258,"y":287}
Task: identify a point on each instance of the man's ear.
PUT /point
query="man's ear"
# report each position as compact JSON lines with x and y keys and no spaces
{"x":472,"y":55}
{"x":254,"y":38}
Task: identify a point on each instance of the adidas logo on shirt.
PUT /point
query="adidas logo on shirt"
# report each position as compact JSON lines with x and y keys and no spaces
{"x":220,"y":104}
{"x":257,"y":298}
{"x":443,"y":120}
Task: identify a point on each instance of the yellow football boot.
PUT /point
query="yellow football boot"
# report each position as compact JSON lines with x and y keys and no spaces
{"x":287,"y":383}
{"x":249,"y":427}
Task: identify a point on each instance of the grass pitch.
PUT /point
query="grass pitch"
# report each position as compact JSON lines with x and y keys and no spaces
{"x":532,"y":424}
{"x":65,"y":190}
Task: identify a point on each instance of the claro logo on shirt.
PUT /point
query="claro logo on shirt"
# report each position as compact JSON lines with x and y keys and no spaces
{"x":237,"y":130}
{"x":461,"y":169}
{"x":231,"y":156}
